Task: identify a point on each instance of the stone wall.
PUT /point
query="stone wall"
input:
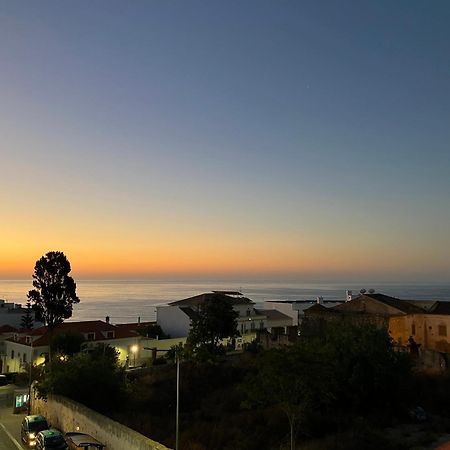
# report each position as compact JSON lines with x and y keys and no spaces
{"x":67,"y":415}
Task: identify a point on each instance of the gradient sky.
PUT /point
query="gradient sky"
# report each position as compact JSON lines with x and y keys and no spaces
{"x":298,"y":139}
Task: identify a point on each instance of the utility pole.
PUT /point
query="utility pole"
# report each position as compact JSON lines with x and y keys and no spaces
{"x":29,"y":376}
{"x":177,"y":411}
{"x":177,"y":424}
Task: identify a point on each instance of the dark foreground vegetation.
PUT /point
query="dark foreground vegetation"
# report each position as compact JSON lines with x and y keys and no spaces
{"x":345,"y":389}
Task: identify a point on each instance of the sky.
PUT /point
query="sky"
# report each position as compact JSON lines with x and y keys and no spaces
{"x":274,"y":139}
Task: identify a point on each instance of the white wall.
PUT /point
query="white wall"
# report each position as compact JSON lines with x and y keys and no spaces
{"x":173,"y":321}
{"x":16,"y":364}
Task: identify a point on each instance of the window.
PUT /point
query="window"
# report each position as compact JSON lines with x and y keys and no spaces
{"x":442,"y":330}
{"x":90,"y":336}
{"x":413,"y":329}
{"x":252,"y":325}
{"x":261,"y":325}
{"x":248,"y":312}
{"x":12,"y":354}
{"x":24,"y":357}
{"x":110,"y":334}
{"x":242,"y":327}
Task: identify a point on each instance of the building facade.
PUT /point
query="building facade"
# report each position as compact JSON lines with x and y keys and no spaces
{"x":34,"y":345}
{"x":175,"y":319}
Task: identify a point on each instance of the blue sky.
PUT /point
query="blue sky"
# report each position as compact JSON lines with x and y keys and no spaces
{"x":281,"y":137}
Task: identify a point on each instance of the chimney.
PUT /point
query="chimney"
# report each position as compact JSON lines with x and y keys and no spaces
{"x":107,"y":319}
{"x":348,"y":296}
{"x":320,"y":300}
{"x":139,"y":320}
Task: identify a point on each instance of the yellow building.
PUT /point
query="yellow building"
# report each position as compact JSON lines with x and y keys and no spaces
{"x":430,"y":329}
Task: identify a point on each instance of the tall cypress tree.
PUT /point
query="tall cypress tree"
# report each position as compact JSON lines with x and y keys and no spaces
{"x":27,"y":321}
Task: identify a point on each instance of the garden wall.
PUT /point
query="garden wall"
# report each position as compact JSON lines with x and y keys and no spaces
{"x":67,"y":415}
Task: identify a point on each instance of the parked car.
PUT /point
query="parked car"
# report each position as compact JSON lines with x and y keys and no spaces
{"x":77,"y":441}
{"x":31,"y":425}
{"x":51,"y":439}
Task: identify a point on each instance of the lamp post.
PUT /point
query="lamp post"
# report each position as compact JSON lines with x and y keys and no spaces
{"x":29,"y":376}
{"x":177,"y":424}
{"x":177,"y":410}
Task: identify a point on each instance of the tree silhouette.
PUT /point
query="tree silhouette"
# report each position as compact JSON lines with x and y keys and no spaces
{"x":55,"y":291}
{"x":213,"y":321}
{"x":27,"y":321}
{"x":296,"y":379}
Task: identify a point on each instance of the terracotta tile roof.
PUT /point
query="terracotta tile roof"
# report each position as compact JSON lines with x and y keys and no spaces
{"x":200,"y":299}
{"x":134,"y":326}
{"x":8,"y":329}
{"x":402,"y":305}
{"x":359,"y":304}
{"x":91,"y":326}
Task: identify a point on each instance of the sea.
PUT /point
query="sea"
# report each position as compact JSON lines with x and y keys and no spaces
{"x":126,"y":301}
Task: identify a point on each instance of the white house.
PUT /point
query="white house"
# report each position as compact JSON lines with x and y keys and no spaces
{"x":33,"y":345}
{"x":176,"y":317}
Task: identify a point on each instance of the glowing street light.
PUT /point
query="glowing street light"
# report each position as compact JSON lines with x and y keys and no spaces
{"x":134,"y":349}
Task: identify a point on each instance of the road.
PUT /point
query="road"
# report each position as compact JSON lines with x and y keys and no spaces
{"x":9,"y":422}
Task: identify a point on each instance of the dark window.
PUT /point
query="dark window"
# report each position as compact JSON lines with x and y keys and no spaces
{"x":442,"y":330}
{"x":12,"y":354}
{"x":91,"y":336}
{"x":413,"y":329}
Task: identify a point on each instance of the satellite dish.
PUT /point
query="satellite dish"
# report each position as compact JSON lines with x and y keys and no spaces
{"x":371,"y":291}
{"x":362,"y":291}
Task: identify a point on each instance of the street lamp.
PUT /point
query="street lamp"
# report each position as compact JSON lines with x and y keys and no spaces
{"x":177,"y":411}
{"x":29,"y":376}
{"x":134,"y":349}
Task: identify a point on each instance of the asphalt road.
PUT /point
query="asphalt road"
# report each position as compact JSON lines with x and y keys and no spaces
{"x":9,"y":422}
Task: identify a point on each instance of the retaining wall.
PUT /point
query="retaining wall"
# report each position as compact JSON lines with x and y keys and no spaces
{"x":67,"y":415}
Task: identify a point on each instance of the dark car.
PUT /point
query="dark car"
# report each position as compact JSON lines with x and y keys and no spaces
{"x":31,"y":425}
{"x":82,"y":441}
{"x":50,"y":440}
